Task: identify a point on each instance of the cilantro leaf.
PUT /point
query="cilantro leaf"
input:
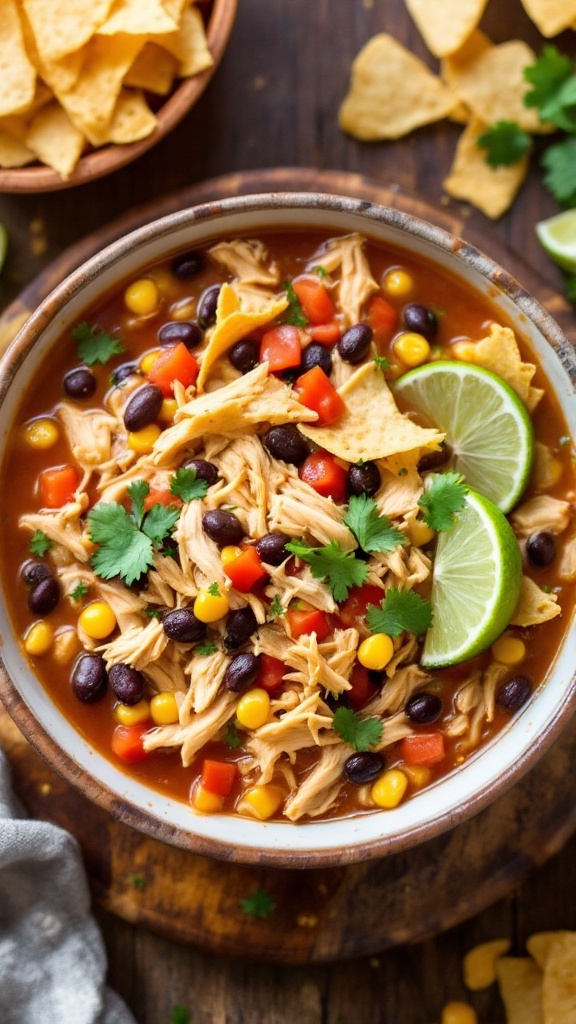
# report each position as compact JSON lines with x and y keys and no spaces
{"x":548,"y":76}
{"x":559,"y":162}
{"x":232,"y":737}
{"x":137,"y":881}
{"x":360,"y":733}
{"x":276,"y":608}
{"x":205,"y":648}
{"x":293,"y":314}
{"x":159,"y":522}
{"x":138,"y":491}
{"x":372,"y":531}
{"x":79,"y":591}
{"x":180,"y":1015}
{"x":214,"y":590}
{"x":445,"y":495}
{"x":123,"y":550}
{"x":321,"y":271}
{"x":95,"y":346}
{"x":400,"y":610}
{"x":382,"y":363}
{"x":341,"y":569}
{"x":505,"y":143}
{"x":186,"y":485}
{"x":40,"y":544}
{"x":259,"y":904}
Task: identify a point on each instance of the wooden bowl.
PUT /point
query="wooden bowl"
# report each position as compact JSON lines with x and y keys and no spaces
{"x":98,"y":162}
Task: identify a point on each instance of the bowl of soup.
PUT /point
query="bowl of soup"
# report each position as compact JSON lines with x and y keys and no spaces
{"x":289,"y":552}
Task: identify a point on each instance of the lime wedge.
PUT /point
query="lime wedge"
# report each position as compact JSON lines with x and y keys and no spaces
{"x":475,"y":584}
{"x":557,"y":236}
{"x":486,"y":425}
{"x":3,"y":245}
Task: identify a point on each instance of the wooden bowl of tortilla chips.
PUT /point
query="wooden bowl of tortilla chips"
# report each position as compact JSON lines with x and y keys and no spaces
{"x":86,"y":93}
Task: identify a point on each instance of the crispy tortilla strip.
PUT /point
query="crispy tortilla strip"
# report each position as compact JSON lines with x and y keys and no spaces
{"x":492,"y":190}
{"x":534,"y":605}
{"x":391,"y":93}
{"x":451,"y":25}
{"x":232,"y":324}
{"x":499,"y":352}
{"x":17,"y":72}
{"x":55,"y":140}
{"x":372,"y":426}
{"x":551,"y":16}
{"x":520,"y":982}
{"x":559,"y":986}
{"x":64,"y":26}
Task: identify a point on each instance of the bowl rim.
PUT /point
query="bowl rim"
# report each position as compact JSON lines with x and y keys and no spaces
{"x":113,"y":156}
{"x":64,"y":763}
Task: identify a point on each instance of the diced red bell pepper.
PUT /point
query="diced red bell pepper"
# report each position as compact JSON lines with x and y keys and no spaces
{"x":271,"y":674}
{"x":218,"y":776}
{"x":317,"y":392}
{"x":311,"y":620}
{"x":382,"y":317}
{"x":426,"y":748}
{"x":325,"y":334}
{"x":174,"y":364}
{"x":353,"y":611}
{"x":127,"y":742}
{"x":324,"y":474}
{"x":315,"y":299}
{"x":280,"y":348}
{"x":246,"y":571}
{"x":362,"y":687}
{"x":161,"y":496}
{"x":58,"y":486}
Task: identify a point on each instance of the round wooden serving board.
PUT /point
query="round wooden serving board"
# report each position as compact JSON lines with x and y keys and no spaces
{"x":325,"y":914}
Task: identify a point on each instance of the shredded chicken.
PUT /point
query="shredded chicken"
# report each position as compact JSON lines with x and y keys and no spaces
{"x":247,"y":260}
{"x":355,"y":284}
{"x":295,"y":511}
{"x":541,"y":513}
{"x":192,"y":736}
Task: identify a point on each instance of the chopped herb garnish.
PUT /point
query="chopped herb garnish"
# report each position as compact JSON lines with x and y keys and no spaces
{"x":361,"y":733}
{"x":137,"y":881}
{"x":214,"y":590}
{"x":559,"y":162}
{"x":138,"y":491}
{"x":232,"y":737}
{"x":399,"y":611}
{"x":205,"y":648}
{"x":339,"y":568}
{"x":180,"y":1015}
{"x":95,"y":346}
{"x":402,"y":471}
{"x":276,"y":608}
{"x":259,"y":904}
{"x":321,"y":271}
{"x":152,"y":613}
{"x":445,"y":496}
{"x":504,"y":143}
{"x":80,"y":590}
{"x":294,"y":314}
{"x":553,"y":88}
{"x":382,"y":363}
{"x":40,"y":544}
{"x":372,"y":531}
{"x":186,"y":485}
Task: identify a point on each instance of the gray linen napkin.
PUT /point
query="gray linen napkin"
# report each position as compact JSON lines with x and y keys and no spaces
{"x":52,"y":958}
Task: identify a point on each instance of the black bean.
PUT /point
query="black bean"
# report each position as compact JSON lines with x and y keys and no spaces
{"x":143,"y":407}
{"x":123,"y":372}
{"x":286,"y":443}
{"x":222,"y":527}
{"x":44,"y":597}
{"x":34,"y":572}
{"x":420,"y":319}
{"x":244,"y":355}
{"x":240,"y":625}
{"x":187,"y":264}
{"x":89,"y":678}
{"x":204,"y":470}
{"x":79,"y":383}
{"x":183,"y":626}
{"x":432,"y":460}
{"x":424,"y":708}
{"x":241,"y":671}
{"x":186,"y":331}
{"x":541,"y":549}
{"x":355,"y":342}
{"x":514,"y":693}
{"x":316,"y":354}
{"x":364,"y":479}
{"x":364,"y":766}
{"x":272,"y":548}
{"x":127,"y":683}
{"x":206,"y":308}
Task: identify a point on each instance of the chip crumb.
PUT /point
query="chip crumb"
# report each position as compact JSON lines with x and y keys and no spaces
{"x":307,"y":920}
{"x":45,"y":788}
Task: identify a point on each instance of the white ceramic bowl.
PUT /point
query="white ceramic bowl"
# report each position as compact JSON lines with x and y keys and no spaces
{"x":488,"y":773}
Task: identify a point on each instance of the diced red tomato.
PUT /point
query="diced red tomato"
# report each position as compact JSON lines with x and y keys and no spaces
{"x":57,"y":486}
{"x":301,"y":623}
{"x":321,"y":470}
{"x":362,"y":687}
{"x":325,"y":334}
{"x":382,"y":317}
{"x":315,"y":299}
{"x":246,"y":571}
{"x":280,"y":348}
{"x":353,"y":611}
{"x":425,"y":748}
{"x":218,"y":776}
{"x":161,"y":496}
{"x":174,"y":364}
{"x":127,"y":742}
{"x":317,"y":392}
{"x":272,"y":672}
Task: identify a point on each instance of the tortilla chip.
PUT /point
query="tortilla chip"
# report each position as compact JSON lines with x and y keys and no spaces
{"x":534,"y":605}
{"x":520,"y":981}
{"x":60,"y":75}
{"x":551,"y":16}
{"x":391,"y":93}
{"x":64,"y":26}
{"x":559,"y":986}
{"x":372,"y":426}
{"x":55,"y":140}
{"x":189,"y":44}
{"x":13,"y":151}
{"x":131,"y":120}
{"x":540,"y":944}
{"x":475,"y":44}
{"x":480,"y":963}
{"x":17,"y":73}
{"x":449,"y":25}
{"x":499,"y":352}
{"x":473,"y":180}
{"x":233,"y":324}
{"x":138,"y":17}
{"x":228,"y":302}
{"x":154,"y":69}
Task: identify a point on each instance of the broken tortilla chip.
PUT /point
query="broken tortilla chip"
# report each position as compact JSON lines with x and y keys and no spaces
{"x":448,"y":27}
{"x":232,"y":325}
{"x":551,"y":16}
{"x":540,"y":944}
{"x":13,"y":151}
{"x":138,"y":17}
{"x":55,"y":140}
{"x":131,"y":120}
{"x":188,"y":45}
{"x":559,"y":985}
{"x":499,"y":352}
{"x":391,"y":93}
{"x":372,"y":426}
{"x":492,"y":190}
{"x":17,"y":72}
{"x":154,"y":69}
{"x":534,"y":605}
{"x":60,"y":28}
{"x":520,"y":982}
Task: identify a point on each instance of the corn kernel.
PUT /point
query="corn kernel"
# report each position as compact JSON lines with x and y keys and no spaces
{"x":132,"y":714}
{"x":253,"y":708}
{"x":459,"y":1013}
{"x":142,"y":297}
{"x":389,"y":789}
{"x":205,"y":801}
{"x":509,"y":650}
{"x":210,"y":607}
{"x":261,"y":801}
{"x":164,"y":709}
{"x":41,"y":434}
{"x":147,"y":361}
{"x":412,"y":348}
{"x":143,"y":441}
{"x":398,"y":283}
{"x":375,"y":651}
{"x":464,"y":350}
{"x":39,"y":639}
{"x":97,"y":620}
{"x":230,"y":553}
{"x":168,"y":410}
{"x":419,"y":532}
{"x":418,"y":774}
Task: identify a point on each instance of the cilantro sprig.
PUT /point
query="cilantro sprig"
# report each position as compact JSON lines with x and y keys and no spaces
{"x":339,"y":568}
{"x":95,"y":346}
{"x":504,"y":143}
{"x":40,"y":544}
{"x":360,"y":732}
{"x":294,"y":313}
{"x":185,"y":484}
{"x":260,"y":904}
{"x":400,"y":611}
{"x":445,"y":495}
{"x":372,"y":530}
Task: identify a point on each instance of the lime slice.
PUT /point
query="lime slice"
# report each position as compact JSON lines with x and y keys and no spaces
{"x":475,"y":584}
{"x":486,"y":425}
{"x":557,"y":236}
{"x":3,"y":244}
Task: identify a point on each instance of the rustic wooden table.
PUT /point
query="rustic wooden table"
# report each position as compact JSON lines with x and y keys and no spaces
{"x":274,"y":102}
